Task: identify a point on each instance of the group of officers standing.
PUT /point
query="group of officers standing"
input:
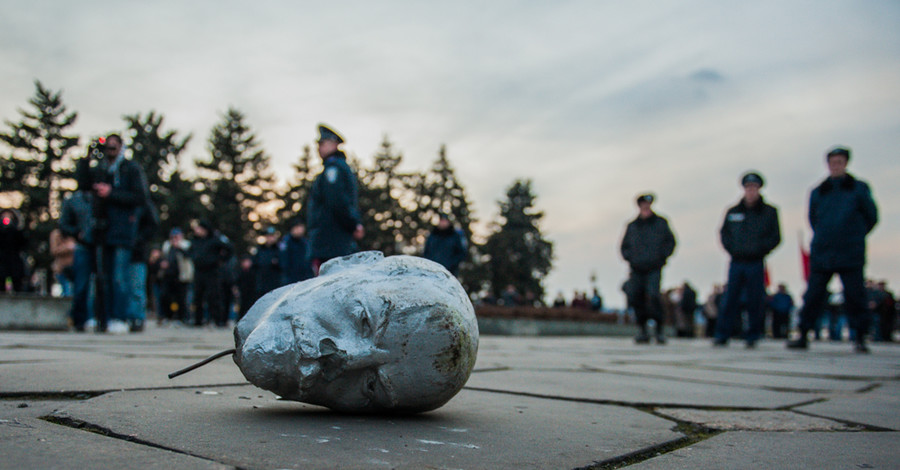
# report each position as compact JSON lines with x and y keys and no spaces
{"x":842,"y":212}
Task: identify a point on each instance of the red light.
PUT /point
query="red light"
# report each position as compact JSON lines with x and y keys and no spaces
{"x":7,"y":221}
{"x":102,"y":140}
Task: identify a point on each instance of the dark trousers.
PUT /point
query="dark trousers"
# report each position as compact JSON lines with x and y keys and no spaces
{"x":208,"y":294}
{"x":173,"y":300}
{"x":854,"y":299}
{"x":642,"y":289}
{"x":780,"y":324}
{"x":744,"y":277}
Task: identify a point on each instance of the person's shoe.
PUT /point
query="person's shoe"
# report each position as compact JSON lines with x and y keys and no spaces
{"x":660,"y":339}
{"x":117,"y":327}
{"x":720,"y":343}
{"x":861,"y":348}
{"x":642,"y":339}
{"x":751,"y":344}
{"x":799,"y":343}
{"x":136,"y":326}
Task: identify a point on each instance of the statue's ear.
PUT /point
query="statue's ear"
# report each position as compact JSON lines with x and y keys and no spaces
{"x":339,"y":264}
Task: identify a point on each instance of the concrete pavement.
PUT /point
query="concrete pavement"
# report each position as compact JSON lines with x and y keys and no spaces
{"x":101,"y":401}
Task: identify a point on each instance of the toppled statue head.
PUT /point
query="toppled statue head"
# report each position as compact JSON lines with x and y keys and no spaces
{"x":370,"y":334}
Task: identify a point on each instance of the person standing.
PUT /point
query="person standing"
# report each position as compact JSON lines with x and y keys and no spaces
{"x":295,"y":254}
{"x":647,"y":245}
{"x":77,"y":220}
{"x":842,"y":212}
{"x":12,"y":247}
{"x":267,"y":263}
{"x":208,"y":252}
{"x":176,"y":275}
{"x":333,"y":217}
{"x":121,"y":193}
{"x":446,"y":245}
{"x":781,"y":305}
{"x":749,"y":233}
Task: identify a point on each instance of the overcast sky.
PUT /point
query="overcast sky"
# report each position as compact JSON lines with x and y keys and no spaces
{"x":594,"y":101}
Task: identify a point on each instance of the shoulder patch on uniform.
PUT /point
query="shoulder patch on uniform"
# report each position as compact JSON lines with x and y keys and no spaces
{"x":331,"y":174}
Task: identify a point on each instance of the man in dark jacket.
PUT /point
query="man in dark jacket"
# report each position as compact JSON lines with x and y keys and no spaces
{"x":294,"y":247}
{"x":446,"y":245}
{"x":841,"y":214}
{"x":749,"y":233}
{"x":333,"y":216}
{"x":208,"y":251}
{"x":120,"y":192}
{"x":647,"y":244}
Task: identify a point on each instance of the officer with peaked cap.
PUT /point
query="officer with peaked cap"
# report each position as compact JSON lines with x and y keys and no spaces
{"x":749,"y":233}
{"x":647,"y":244}
{"x":333,"y":217}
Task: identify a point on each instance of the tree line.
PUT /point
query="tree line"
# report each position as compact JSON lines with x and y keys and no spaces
{"x":234,"y":187}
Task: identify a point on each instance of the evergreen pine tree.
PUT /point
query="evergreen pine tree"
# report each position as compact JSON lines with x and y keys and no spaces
{"x":158,"y":153}
{"x":235,"y":181}
{"x":39,"y":163}
{"x":440,"y":192}
{"x":519,"y":255}
{"x":388,"y":204}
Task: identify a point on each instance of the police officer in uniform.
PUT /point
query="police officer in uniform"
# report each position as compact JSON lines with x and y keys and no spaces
{"x":749,"y":233}
{"x":647,"y":244}
{"x":333,"y":217}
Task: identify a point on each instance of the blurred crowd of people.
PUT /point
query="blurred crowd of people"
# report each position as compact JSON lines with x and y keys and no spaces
{"x":104,"y":260}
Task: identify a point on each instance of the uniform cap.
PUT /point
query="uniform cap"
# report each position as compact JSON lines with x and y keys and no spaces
{"x":326,"y":133}
{"x":751,"y":177}
{"x":645,"y":198}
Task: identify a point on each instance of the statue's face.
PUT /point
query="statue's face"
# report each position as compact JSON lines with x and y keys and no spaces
{"x":369,"y":334}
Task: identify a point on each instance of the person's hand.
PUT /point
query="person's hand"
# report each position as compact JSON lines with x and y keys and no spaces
{"x":359,"y":232}
{"x":102,"y":189}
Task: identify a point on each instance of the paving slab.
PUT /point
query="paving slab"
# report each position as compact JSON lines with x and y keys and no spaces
{"x":754,"y":420}
{"x":246,"y":427}
{"x":604,"y":387}
{"x":760,"y":450}
{"x":98,"y":372}
{"x":878,"y":407}
{"x":548,"y":402}
{"x":784,"y":382}
{"x":33,"y":443}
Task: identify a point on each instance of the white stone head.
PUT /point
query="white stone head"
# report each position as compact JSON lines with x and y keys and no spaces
{"x":370,"y":334}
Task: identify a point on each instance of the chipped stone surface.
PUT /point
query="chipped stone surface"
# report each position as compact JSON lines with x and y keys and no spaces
{"x":754,"y":420}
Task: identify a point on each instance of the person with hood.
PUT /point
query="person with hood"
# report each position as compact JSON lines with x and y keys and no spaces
{"x":646,"y":246}
{"x":446,"y":245}
{"x":842,"y":212}
{"x":333,"y":217}
{"x":749,"y":233}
